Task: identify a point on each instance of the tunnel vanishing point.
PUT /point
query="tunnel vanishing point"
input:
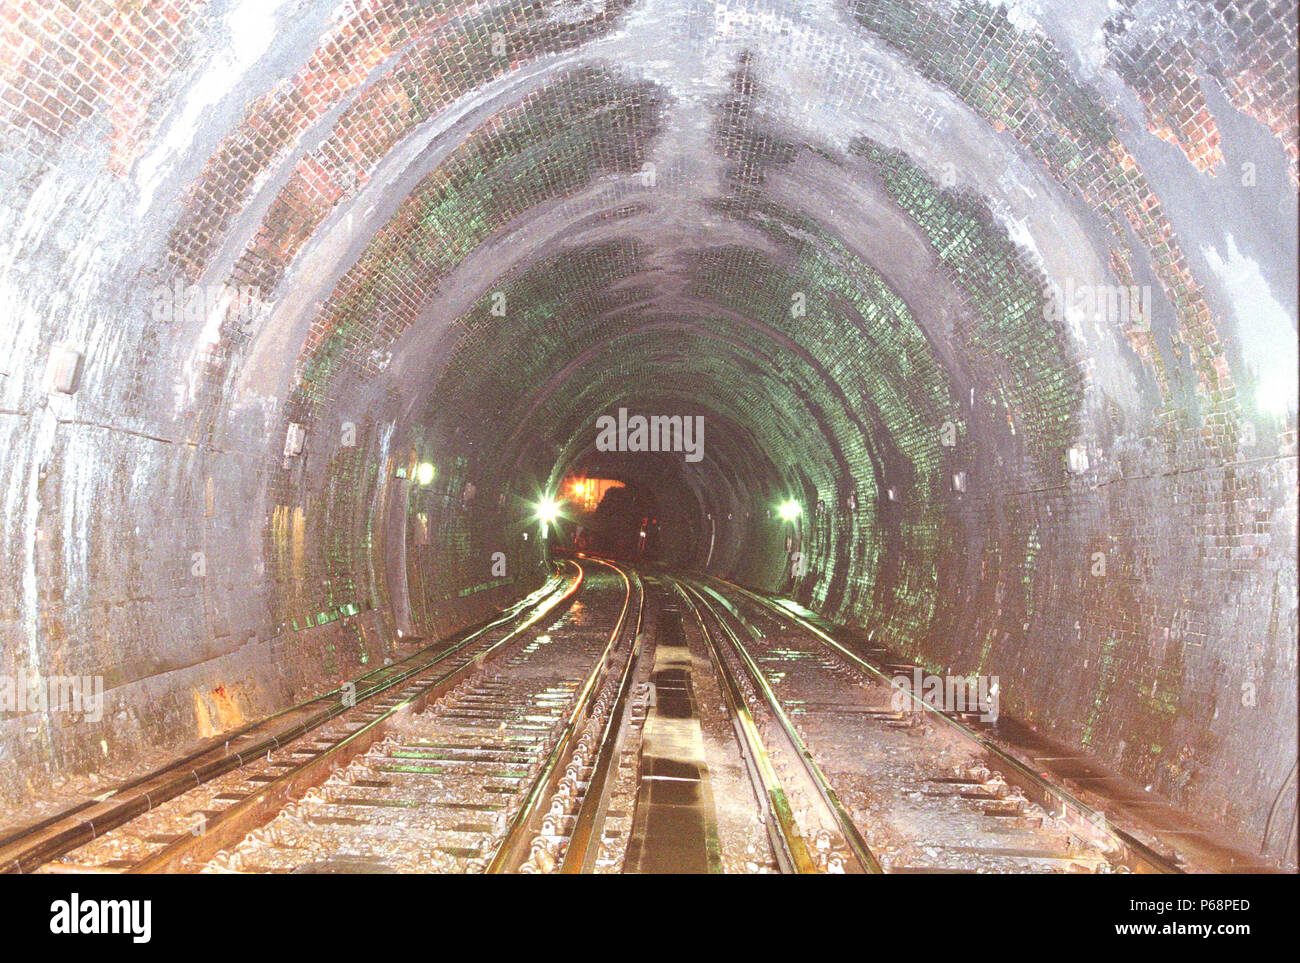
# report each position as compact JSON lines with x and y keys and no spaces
{"x":985,"y":311}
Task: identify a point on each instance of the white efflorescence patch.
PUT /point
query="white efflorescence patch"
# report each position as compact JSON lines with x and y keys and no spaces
{"x":1266,"y":331}
{"x":1024,"y":15}
{"x":250,"y":27}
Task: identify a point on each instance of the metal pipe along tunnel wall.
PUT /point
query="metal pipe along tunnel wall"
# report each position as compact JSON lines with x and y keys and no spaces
{"x":306,"y":303}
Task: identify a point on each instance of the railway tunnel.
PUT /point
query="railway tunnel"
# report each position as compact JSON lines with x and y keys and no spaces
{"x":967,"y":327}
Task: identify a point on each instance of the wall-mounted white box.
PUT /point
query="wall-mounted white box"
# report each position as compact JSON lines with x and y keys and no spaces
{"x":65,"y":370}
{"x":294,"y":439}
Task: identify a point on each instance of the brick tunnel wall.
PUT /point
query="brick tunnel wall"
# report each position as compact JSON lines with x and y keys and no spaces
{"x":300,"y":254}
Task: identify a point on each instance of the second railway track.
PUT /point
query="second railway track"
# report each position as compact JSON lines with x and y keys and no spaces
{"x":906,"y":791}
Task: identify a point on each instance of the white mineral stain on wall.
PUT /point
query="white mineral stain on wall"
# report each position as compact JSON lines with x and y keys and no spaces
{"x":250,"y":27}
{"x":1267,"y":332}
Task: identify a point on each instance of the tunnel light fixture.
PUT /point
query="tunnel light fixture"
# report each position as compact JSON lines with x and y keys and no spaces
{"x":547,"y":511}
{"x":789,"y":510}
{"x":424,"y":474}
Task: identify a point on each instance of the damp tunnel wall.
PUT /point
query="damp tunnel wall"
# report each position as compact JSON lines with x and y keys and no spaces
{"x":1002,"y":294}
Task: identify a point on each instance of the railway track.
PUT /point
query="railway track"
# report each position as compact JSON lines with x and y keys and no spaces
{"x":809,"y":829}
{"x":494,"y":776}
{"x":175,"y":818}
{"x":471,"y":765}
{"x":923,"y":789}
{"x":604,"y":724}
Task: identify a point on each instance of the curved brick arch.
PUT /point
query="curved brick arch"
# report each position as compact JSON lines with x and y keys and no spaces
{"x":398,"y":232}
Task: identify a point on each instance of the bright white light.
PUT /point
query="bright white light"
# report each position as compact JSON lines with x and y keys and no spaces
{"x":548,"y":510}
{"x":424,"y":474}
{"x":789,"y":510}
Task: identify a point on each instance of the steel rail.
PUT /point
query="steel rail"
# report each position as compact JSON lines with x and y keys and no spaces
{"x":1132,"y":852}
{"x":30,"y":846}
{"x":839,"y":816}
{"x":788,"y":846}
{"x":31,"y":850}
{"x":188,"y":853}
{"x":515,"y":847}
{"x":580,"y":855}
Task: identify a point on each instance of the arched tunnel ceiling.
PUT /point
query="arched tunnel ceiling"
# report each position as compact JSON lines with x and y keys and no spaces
{"x":730,"y":152}
{"x":422,"y":156}
{"x":840,"y":230}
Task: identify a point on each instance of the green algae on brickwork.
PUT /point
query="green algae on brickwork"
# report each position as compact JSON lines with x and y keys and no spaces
{"x":552,"y":145}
